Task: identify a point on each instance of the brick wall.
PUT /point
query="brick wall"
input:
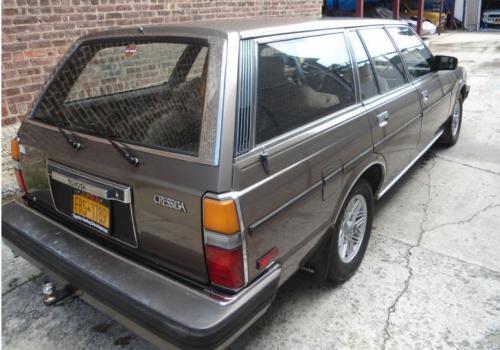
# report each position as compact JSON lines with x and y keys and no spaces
{"x":36,"y":33}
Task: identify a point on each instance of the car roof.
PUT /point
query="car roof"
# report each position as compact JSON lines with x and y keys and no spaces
{"x":245,"y":28}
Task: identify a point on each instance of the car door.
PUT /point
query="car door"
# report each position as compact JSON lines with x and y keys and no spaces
{"x":435,"y":92}
{"x":293,"y":140}
{"x":395,"y":110}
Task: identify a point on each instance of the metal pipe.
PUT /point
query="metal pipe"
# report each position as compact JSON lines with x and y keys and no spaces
{"x":453,"y":24}
{"x":420,"y":16}
{"x":360,"y":8}
{"x":395,"y":9}
{"x":441,"y":7}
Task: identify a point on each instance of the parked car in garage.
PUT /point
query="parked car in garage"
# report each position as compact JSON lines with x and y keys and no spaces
{"x":381,"y":12}
{"x":176,"y":176}
{"x":431,"y":12}
{"x":491,"y":13}
{"x":427,"y":27}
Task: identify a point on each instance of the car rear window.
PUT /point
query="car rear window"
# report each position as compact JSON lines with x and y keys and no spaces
{"x":149,"y":93}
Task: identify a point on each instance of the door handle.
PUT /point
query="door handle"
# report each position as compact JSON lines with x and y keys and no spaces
{"x":382,"y":119}
{"x":425,"y":96}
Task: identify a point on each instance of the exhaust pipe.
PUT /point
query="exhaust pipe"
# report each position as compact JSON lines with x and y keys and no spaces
{"x":51,"y":295}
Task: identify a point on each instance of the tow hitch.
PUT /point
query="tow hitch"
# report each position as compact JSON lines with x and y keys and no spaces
{"x":53,"y":296}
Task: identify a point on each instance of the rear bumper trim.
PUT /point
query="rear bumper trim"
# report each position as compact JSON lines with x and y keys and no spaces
{"x":175,"y":313}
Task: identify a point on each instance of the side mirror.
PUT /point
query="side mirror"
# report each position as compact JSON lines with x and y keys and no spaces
{"x":445,"y":63}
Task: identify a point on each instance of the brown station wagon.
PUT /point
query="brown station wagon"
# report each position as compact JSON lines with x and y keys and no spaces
{"x":176,"y":176}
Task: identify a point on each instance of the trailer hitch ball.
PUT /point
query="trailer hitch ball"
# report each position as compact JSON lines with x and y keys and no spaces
{"x":49,"y":295}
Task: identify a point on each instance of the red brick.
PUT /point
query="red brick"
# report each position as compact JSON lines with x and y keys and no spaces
{"x":11,"y":92}
{"x":8,"y":120}
{"x":37,"y":33}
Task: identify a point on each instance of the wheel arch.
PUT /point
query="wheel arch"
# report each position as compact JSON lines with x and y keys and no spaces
{"x":373,"y":171}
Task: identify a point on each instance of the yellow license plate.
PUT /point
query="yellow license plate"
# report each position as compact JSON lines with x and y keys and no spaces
{"x":91,"y":212}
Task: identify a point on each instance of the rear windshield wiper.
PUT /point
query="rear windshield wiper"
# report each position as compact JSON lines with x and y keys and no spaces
{"x":71,"y":139}
{"x":125,"y":151}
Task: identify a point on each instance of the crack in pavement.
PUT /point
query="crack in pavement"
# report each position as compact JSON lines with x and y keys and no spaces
{"x":392,"y":308}
{"x":465,"y":164}
{"x":32,"y":278}
{"x":465,"y":221}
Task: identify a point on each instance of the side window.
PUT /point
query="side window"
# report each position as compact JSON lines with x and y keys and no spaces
{"x":386,"y":61}
{"x":367,"y":80}
{"x":415,"y":54}
{"x":301,"y":80}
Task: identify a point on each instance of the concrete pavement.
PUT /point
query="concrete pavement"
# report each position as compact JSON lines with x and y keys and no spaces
{"x":430,"y":277}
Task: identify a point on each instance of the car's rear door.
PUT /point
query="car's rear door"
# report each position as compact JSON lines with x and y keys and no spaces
{"x":294,"y":140}
{"x":395,"y":111}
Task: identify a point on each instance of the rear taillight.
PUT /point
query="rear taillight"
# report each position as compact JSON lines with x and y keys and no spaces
{"x":223,"y":243}
{"x":16,"y":150}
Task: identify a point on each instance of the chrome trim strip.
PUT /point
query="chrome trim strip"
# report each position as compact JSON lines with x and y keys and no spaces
{"x":221,"y":240}
{"x":267,"y":217}
{"x":339,"y":170}
{"x":134,"y":230}
{"x":87,"y":187}
{"x":220,"y":108}
{"x":297,"y":35}
{"x":361,"y":155}
{"x":397,"y":130}
{"x":317,"y":126}
{"x":121,"y":193}
{"x":405,"y":169}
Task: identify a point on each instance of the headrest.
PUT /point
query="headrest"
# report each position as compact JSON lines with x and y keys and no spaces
{"x":271,"y":71}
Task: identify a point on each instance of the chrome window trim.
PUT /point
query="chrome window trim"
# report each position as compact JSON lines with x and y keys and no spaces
{"x":144,"y":149}
{"x":292,"y":36}
{"x":220,"y":110}
{"x":407,"y":82}
{"x":317,"y":126}
{"x":389,"y":96}
{"x":279,"y":138}
{"x":354,"y":62}
{"x":405,"y":67}
{"x":412,"y":79}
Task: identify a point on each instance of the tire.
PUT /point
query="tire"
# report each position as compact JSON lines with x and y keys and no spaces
{"x":342,"y":265}
{"x":453,"y":125}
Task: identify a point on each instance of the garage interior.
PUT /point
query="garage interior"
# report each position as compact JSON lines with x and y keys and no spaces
{"x":458,"y":14}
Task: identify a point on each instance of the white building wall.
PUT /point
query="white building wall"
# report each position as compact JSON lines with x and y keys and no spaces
{"x":472,"y":14}
{"x":459,"y":10}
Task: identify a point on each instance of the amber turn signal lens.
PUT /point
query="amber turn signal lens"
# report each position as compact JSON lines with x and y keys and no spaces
{"x":14,"y":149}
{"x":220,"y":216}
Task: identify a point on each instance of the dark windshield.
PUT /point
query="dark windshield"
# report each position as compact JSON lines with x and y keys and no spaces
{"x":150,"y":93}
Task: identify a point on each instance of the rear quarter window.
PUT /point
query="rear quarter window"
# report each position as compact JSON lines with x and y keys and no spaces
{"x":301,"y":80}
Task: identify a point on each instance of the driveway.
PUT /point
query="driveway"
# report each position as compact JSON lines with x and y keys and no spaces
{"x":430,"y":277}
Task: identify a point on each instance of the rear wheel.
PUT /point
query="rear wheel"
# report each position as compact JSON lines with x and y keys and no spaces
{"x":452,"y":129}
{"x":351,"y":233}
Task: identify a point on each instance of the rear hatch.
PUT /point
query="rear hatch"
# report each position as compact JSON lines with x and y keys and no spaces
{"x":116,"y":100}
